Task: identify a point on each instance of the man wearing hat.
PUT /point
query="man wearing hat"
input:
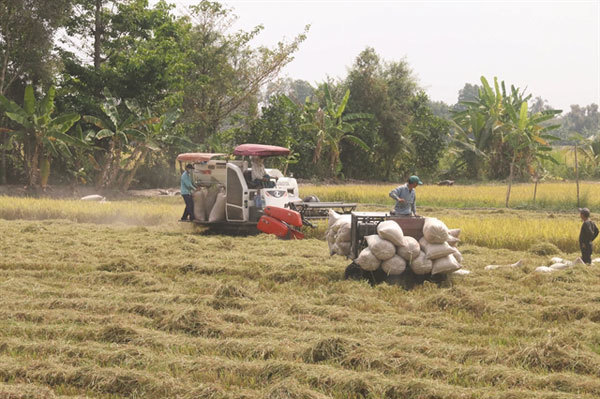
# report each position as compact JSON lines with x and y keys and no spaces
{"x":588,"y":233}
{"x":405,"y":197}
{"x":187,"y":188}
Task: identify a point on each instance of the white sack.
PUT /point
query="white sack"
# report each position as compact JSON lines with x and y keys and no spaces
{"x":453,"y":241}
{"x":461,"y":272}
{"x":447,"y":264}
{"x":199,"y":209}
{"x":343,"y":220}
{"x":454,"y":233}
{"x":421,"y":265}
{"x":556,"y":259}
{"x":560,"y":266}
{"x":435,"y":231}
{"x":333,"y":217}
{"x":344,"y":234}
{"x":457,"y":255}
{"x":411,"y":250}
{"x":343,"y":248}
{"x":217,"y":213}
{"x":209,"y":201}
{"x":544,"y":269}
{"x":330,"y":237}
{"x":93,"y":197}
{"x":382,"y":249}
{"x":394,"y":266}
{"x":435,"y":251}
{"x":391,"y":231}
{"x":367,"y":261}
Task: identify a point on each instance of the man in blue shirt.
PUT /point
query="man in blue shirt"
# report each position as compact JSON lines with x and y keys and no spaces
{"x":405,"y":197}
{"x":187,"y":188}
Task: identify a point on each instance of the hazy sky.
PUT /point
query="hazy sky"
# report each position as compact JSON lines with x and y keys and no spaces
{"x":550,"y":47}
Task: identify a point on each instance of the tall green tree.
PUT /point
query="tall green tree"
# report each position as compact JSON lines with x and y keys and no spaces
{"x":227,"y":72}
{"x":136,"y":51}
{"x":386,"y":90}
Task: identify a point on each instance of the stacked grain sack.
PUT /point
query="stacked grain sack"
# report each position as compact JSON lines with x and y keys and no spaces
{"x":209,"y":204}
{"x":435,"y":253}
{"x":338,"y":234}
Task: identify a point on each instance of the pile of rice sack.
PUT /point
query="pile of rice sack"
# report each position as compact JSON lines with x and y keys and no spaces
{"x":209,"y":204}
{"x":338,"y":234}
{"x":390,"y":249}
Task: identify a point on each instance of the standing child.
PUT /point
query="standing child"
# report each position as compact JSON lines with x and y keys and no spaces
{"x":588,"y":233}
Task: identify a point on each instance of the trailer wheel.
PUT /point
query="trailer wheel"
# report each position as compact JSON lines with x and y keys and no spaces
{"x":353,"y":272}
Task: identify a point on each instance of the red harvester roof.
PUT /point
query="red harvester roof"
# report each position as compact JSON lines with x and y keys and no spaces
{"x":260,"y":150}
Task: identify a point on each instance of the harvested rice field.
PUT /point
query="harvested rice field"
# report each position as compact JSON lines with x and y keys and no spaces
{"x":134,"y":305}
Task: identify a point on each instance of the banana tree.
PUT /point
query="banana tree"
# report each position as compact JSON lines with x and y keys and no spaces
{"x":155,"y":133}
{"x":590,"y":149}
{"x":331,"y":126}
{"x":41,"y":136}
{"x":527,"y":138}
{"x":119,"y":131}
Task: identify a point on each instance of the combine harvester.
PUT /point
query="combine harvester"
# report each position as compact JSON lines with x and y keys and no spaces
{"x":250,"y":207}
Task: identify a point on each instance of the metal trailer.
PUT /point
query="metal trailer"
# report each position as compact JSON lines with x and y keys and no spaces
{"x":365,"y":223}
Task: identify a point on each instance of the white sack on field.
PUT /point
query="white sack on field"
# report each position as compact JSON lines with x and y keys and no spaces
{"x":435,"y":231}
{"x":367,"y":261}
{"x":391,"y":231}
{"x":421,"y":265}
{"x":411,"y":250}
{"x":382,"y":249}
{"x":447,"y":264}
{"x":457,"y":255}
{"x":335,"y":217}
{"x":461,"y":272}
{"x":344,"y":233}
{"x":435,"y":251}
{"x":544,"y":269}
{"x":343,"y":248}
{"x":394,"y":266}
{"x":560,"y":266}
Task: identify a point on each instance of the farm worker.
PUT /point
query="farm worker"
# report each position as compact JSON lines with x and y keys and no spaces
{"x":589,"y":231}
{"x":405,"y":197}
{"x":187,"y":188}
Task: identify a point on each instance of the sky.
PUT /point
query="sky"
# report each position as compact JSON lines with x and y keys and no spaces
{"x":551,"y":48}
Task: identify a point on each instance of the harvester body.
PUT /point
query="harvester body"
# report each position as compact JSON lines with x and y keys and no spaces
{"x":245,"y":199}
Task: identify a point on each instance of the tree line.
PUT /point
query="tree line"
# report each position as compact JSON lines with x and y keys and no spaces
{"x":108,"y":92}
